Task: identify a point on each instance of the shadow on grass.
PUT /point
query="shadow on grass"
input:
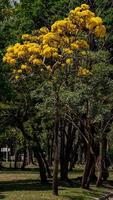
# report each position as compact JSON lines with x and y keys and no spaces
{"x":83,"y":194}
{"x":74,"y":198}
{"x":9,"y":170}
{"x":20,"y":185}
{"x":2,"y":196}
{"x":108,"y":184}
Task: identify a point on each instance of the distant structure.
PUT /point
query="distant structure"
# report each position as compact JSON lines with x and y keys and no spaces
{"x":13,"y":2}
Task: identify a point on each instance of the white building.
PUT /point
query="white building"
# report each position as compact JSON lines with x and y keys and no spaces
{"x":12,"y":2}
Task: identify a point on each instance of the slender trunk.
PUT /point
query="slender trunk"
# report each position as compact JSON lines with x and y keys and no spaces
{"x":91,"y":176}
{"x":25,"y":156}
{"x":63,"y":161}
{"x":56,"y":154}
{"x":41,"y":165}
{"x":87,"y":167}
{"x":47,"y":166}
{"x":64,"y":171}
{"x":102,"y":167}
{"x":55,"y":172}
{"x":39,"y":149}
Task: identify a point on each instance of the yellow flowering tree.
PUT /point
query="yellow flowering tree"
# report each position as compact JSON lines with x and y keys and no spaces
{"x":58,"y":47}
{"x":59,"y":51}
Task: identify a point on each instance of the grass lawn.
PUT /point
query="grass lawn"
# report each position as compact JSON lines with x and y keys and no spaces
{"x":25,"y":185}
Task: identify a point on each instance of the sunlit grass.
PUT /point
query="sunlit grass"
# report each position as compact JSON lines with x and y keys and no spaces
{"x":25,"y":185}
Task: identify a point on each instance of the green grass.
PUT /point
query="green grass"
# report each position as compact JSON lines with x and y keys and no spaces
{"x":25,"y":185}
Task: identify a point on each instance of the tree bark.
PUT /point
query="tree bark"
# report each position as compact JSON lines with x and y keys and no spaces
{"x":56,"y":152}
{"x":87,"y":167}
{"x":41,"y":165}
{"x":102,"y":168}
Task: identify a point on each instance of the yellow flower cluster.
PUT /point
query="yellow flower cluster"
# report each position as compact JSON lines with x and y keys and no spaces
{"x":82,"y":17}
{"x":67,"y":51}
{"x":60,"y":44}
{"x":69,"y":61}
{"x":22,"y":57}
{"x":80,"y":44}
{"x":64,"y":26}
{"x":83,"y":72}
{"x":36,"y":35}
{"x":52,"y":39}
{"x":49,"y":52}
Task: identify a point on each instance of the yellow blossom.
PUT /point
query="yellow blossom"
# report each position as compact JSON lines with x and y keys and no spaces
{"x":17,"y":77}
{"x":83,"y":71}
{"x":93,"y":22}
{"x":10,"y":49}
{"x":14,"y":71}
{"x":37,"y":61}
{"x":21,"y":54}
{"x":12,"y":61}
{"x":49,"y":51}
{"x":4,"y":59}
{"x":85,"y":6}
{"x":23,"y":66}
{"x":100,"y":31}
{"x":19,"y":71}
{"x":69,"y":61}
{"x":44,"y":30}
{"x":74,"y":46}
{"x":67,"y":51}
{"x":26,"y":37}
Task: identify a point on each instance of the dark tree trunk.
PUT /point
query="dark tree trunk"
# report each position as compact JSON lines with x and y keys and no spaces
{"x":102,"y":168}
{"x":37,"y":154}
{"x":42,"y":155}
{"x":87,"y":167}
{"x":41,"y":165}
{"x":63,"y":161}
{"x":47,"y":166}
{"x":91,"y":176}
{"x":56,"y":147}
{"x":25,"y":156}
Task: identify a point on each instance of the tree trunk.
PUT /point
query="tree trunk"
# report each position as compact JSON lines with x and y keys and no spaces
{"x":41,"y":165}
{"x":102,"y":168}
{"x":25,"y":156}
{"x":91,"y":176}
{"x":63,"y":160}
{"x":87,"y":167}
{"x":56,"y":152}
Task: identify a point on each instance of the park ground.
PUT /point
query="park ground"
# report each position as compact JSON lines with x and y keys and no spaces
{"x":25,"y":185}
